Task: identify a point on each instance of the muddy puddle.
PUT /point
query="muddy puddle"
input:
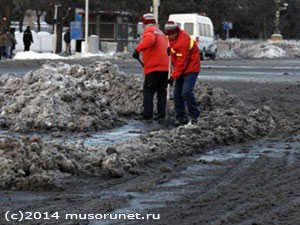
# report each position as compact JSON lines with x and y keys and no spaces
{"x":131,"y":130}
{"x":202,"y":170}
{"x":216,"y":160}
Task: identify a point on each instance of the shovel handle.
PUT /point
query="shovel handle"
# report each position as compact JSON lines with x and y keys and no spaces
{"x":140,"y":61}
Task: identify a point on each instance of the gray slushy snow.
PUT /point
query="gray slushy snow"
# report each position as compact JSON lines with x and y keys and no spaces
{"x":265,"y":49}
{"x":57,"y":97}
{"x":93,"y":97}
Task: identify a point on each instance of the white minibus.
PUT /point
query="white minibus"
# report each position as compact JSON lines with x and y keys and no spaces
{"x":201,"y":29}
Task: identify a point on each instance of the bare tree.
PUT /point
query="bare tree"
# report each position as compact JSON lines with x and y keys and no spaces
{"x":40,"y":7}
{"x":20,"y":8}
{"x":5,"y":13}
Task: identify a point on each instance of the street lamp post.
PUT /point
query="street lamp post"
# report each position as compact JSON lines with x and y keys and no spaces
{"x":86,"y":26}
{"x":156,"y":4}
{"x":55,"y":27}
{"x":279,"y":7}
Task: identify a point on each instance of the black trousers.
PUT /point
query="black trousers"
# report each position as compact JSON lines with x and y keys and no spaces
{"x":26,"y":48}
{"x":2,"y":50}
{"x":155,"y":82}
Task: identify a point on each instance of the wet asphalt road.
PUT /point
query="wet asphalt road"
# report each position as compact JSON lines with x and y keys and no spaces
{"x":239,"y":70}
{"x":251,"y":183}
{"x":265,"y":70}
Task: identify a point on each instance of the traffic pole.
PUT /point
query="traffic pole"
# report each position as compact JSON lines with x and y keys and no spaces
{"x":86,"y":26}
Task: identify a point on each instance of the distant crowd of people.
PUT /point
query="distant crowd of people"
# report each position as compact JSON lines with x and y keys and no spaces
{"x":7,"y":43}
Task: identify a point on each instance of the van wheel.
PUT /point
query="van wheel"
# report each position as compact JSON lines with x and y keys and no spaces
{"x":213,"y":56}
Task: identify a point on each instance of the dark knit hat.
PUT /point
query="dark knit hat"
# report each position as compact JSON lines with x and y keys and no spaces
{"x":148,"y":18}
{"x":171,"y":28}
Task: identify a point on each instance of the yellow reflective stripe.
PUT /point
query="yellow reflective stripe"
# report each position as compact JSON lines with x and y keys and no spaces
{"x":191,"y":43}
{"x":173,"y":51}
{"x":179,"y":54}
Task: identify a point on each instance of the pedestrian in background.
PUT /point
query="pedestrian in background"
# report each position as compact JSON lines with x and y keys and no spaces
{"x":67,"y":39}
{"x":27,"y":39}
{"x":153,"y":47}
{"x":3,"y":41}
{"x":12,"y":31}
{"x":186,"y":62}
{"x":10,"y":43}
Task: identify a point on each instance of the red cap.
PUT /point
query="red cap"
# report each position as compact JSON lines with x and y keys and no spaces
{"x":148,"y":18}
{"x":171,"y":28}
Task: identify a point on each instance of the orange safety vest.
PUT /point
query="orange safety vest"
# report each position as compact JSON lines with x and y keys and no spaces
{"x":185,"y":55}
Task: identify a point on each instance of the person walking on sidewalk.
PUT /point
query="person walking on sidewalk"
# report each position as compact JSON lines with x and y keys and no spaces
{"x":27,"y":39}
{"x":11,"y":42}
{"x":153,"y":47}
{"x":3,"y":41}
{"x":186,"y":62}
{"x":12,"y":32}
{"x":67,"y":39}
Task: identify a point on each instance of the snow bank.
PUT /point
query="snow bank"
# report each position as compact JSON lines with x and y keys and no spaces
{"x":35,"y":55}
{"x":268,"y":49}
{"x":262,"y":50}
{"x":76,"y":98}
{"x":36,"y":164}
{"x":42,"y":42}
{"x":49,"y":100}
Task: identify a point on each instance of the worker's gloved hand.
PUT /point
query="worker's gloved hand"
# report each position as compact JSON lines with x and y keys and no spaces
{"x":168,"y":50}
{"x":135,"y":54}
{"x":170,"y":81}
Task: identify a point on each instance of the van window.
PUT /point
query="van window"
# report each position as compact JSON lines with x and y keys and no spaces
{"x":189,"y":28}
{"x":208,"y":34}
{"x":202,"y":29}
{"x":205,"y":30}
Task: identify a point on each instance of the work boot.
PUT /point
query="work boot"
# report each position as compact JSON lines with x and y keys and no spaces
{"x":194,"y":121}
{"x":161,"y":121}
{"x":147,"y":120}
{"x":180,"y":123}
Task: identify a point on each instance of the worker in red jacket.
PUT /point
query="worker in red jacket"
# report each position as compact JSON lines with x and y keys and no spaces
{"x":186,"y":63}
{"x":153,"y":47}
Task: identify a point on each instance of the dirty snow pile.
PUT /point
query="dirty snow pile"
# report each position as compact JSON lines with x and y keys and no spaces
{"x":35,"y":164}
{"x":268,"y":49}
{"x":123,"y":91}
{"x":48,"y":100}
{"x":86,"y":97}
{"x":31,"y":163}
{"x":76,"y":98}
{"x":230,"y":54}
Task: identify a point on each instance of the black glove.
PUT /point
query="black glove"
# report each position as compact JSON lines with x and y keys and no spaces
{"x":168,"y":50}
{"x":135,"y":54}
{"x":170,"y":81}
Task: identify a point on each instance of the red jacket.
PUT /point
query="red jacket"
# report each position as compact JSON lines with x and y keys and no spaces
{"x":154,"y":46}
{"x":185,"y":55}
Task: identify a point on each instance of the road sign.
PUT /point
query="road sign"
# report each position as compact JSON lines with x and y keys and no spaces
{"x":78,"y":14}
{"x":76,"y":30}
{"x":227,"y":25}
